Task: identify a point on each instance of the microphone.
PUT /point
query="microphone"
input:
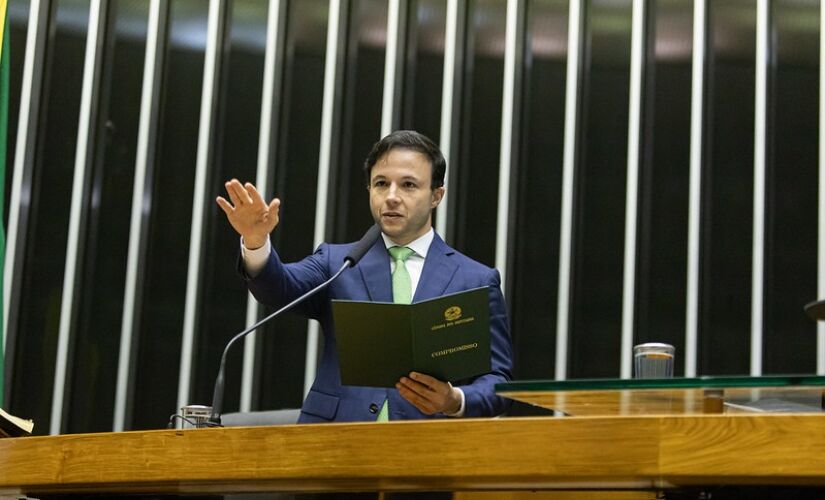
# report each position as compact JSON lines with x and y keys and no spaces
{"x":355,"y":254}
{"x":365,"y":243}
{"x":816,"y":310}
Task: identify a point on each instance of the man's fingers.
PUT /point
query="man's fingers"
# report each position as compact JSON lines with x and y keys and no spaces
{"x":274,"y":210}
{"x":423,"y":404}
{"x":427,"y":380}
{"x":431,"y":387}
{"x":411,"y":387}
{"x":426,"y":393}
{"x":227,"y":208}
{"x":423,"y":397}
{"x":418,"y":388}
{"x":230,"y":191}
{"x":254,"y":195}
{"x":240,"y":192}
{"x":248,"y":213}
{"x":426,"y":410}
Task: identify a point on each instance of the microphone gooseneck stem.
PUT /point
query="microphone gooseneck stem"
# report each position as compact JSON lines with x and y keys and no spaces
{"x":217,"y":396}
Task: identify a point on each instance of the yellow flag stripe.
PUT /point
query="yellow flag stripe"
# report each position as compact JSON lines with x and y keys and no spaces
{"x":3,"y":4}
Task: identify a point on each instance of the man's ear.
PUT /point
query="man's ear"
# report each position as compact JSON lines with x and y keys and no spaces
{"x":438,"y":195}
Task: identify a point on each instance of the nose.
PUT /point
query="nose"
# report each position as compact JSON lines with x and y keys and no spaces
{"x":392,"y":194}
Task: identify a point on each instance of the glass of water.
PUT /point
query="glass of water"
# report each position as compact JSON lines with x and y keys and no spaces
{"x":653,"y":360}
{"x":195,"y":416}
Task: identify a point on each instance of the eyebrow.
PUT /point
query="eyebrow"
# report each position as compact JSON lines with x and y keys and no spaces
{"x":405,"y":178}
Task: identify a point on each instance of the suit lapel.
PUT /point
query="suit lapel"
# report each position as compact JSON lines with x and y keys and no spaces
{"x":375,"y":269}
{"x":438,"y":271}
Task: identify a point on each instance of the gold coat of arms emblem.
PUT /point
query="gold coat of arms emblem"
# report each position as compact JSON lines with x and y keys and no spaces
{"x":452,"y":313}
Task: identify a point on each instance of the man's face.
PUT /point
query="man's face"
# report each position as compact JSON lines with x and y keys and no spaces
{"x":401,"y":200}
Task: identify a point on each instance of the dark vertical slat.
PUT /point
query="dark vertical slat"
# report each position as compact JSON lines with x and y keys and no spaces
{"x":791,"y":199}
{"x":595,"y":326}
{"x":20,"y":162}
{"x":475,"y":163}
{"x":424,"y":63}
{"x":537,"y":211}
{"x":665,"y":178}
{"x":727,"y":190}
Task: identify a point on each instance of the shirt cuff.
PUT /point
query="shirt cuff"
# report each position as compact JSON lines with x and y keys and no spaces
{"x":255,"y":260}
{"x":460,"y":412}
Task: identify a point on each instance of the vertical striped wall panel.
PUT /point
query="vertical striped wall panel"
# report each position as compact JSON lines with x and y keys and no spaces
{"x":638,"y":170}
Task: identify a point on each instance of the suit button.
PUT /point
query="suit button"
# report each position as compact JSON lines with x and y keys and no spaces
{"x":373,"y":408}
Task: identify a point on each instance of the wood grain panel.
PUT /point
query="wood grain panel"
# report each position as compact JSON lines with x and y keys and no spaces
{"x":748,"y":449}
{"x":455,"y":454}
{"x":607,"y":453}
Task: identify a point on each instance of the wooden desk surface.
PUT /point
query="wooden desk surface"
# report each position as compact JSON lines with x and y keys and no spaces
{"x":518,"y":453}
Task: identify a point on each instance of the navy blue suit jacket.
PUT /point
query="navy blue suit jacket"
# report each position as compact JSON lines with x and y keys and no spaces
{"x":445,"y":271}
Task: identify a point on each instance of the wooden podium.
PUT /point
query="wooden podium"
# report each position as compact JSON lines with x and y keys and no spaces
{"x":618,"y":452}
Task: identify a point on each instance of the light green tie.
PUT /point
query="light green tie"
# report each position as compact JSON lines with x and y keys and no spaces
{"x":401,"y":282}
{"x":401,"y":294}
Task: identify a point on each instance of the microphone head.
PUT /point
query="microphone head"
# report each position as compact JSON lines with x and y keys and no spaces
{"x":816,"y":310}
{"x":363,"y":245}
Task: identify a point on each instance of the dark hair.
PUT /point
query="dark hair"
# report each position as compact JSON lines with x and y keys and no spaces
{"x":409,"y":139}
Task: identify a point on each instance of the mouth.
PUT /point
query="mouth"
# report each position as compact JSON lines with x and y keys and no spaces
{"x":391,"y":215}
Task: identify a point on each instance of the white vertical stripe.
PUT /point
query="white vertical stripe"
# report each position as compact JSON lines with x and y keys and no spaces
{"x":505,"y":160}
{"x":569,"y":165}
{"x":695,"y":203}
{"x":202,"y":165}
{"x":265,"y":152}
{"x":637,"y":56}
{"x":24,"y":149}
{"x":97,"y":20}
{"x":390,"y":68}
{"x":327,"y":117}
{"x":447,"y":89}
{"x":139,"y":208}
{"x":759,"y":146}
{"x":248,"y":370}
{"x":820,"y":325}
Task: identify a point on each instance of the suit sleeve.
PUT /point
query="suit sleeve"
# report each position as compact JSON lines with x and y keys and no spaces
{"x":278,"y":284}
{"x":480,"y":399}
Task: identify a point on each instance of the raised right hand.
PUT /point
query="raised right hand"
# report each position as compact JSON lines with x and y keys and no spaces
{"x":248,"y":213}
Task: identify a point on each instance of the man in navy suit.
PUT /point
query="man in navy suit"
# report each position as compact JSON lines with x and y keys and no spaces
{"x":405,"y":180}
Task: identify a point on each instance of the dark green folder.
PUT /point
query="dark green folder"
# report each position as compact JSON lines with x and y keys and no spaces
{"x":447,"y":337}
